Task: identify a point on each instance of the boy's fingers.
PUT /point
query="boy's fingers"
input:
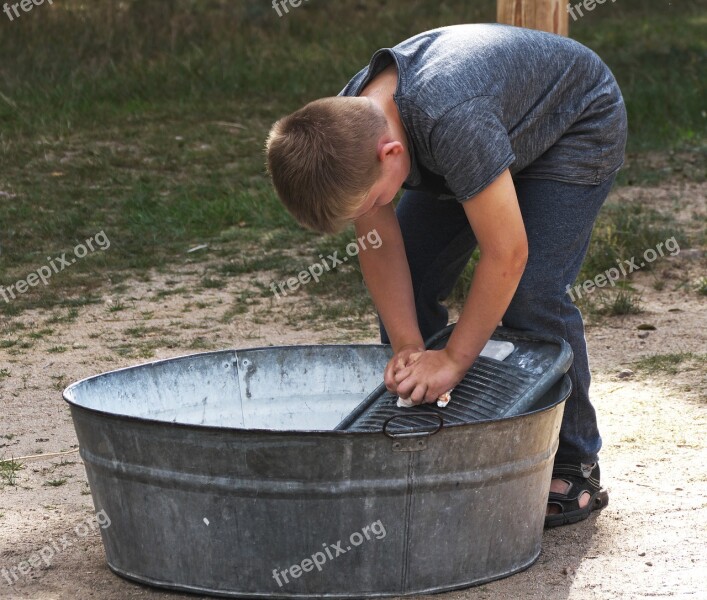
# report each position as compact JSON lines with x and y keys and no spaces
{"x":389,"y":377}
{"x":401,"y":375}
{"x":419,"y":393}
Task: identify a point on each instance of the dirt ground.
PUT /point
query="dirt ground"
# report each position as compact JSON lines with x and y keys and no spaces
{"x":649,"y":542}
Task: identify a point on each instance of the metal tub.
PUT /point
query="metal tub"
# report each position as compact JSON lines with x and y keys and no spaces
{"x":222,"y":473}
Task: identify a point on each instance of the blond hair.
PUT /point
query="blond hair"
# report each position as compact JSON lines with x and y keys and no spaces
{"x":323,"y":160}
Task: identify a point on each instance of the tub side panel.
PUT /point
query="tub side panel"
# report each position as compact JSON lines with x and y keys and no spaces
{"x":219,"y":510}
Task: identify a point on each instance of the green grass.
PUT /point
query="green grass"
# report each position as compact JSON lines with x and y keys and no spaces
{"x":55,"y":482}
{"x":622,"y":302}
{"x":146,"y":120}
{"x":38,"y":335}
{"x":8,"y":471}
{"x":626,"y":231}
{"x":57,"y":349}
{"x":117,"y":306}
{"x":701,"y":286}
{"x":671,"y":363}
{"x":212,"y":283}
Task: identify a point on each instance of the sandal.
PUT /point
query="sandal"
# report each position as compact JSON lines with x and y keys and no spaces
{"x":579,"y":483}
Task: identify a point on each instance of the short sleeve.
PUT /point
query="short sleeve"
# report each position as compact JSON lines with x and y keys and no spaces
{"x":470,"y":146}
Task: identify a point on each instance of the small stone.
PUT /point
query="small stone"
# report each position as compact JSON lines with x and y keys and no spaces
{"x":643,"y":335}
{"x":625,"y":373}
{"x":567,"y":571}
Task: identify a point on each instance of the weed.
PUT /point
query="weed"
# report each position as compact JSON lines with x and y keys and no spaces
{"x":702,"y":286}
{"x":9,"y":470}
{"x":57,"y":349}
{"x":669,"y":363}
{"x":56,"y":482}
{"x":117,"y":306}
{"x":210,"y":283}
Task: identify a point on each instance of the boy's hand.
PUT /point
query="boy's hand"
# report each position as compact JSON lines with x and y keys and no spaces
{"x":428,"y":375}
{"x":399,"y":361}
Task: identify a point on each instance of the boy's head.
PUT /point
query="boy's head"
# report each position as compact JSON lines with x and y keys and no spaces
{"x":325,"y":158}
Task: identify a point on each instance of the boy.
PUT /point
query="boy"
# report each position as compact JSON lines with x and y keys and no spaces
{"x":502,"y":137}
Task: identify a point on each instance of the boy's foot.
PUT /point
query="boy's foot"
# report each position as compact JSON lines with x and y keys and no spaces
{"x":574,"y":493}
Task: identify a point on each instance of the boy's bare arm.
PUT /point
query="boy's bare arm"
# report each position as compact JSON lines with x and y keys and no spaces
{"x":497,"y":223}
{"x":387,"y":276}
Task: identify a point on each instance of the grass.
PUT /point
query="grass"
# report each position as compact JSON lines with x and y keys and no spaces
{"x":629,"y":231}
{"x":701,"y":287}
{"x":9,"y":470}
{"x":57,"y":349}
{"x":212,"y":283}
{"x":55,"y":482}
{"x":147,"y":120}
{"x":117,"y":306}
{"x":671,"y":363}
{"x":623,"y":302}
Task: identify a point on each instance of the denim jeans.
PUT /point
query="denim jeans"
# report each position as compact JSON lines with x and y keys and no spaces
{"x":558,"y":220}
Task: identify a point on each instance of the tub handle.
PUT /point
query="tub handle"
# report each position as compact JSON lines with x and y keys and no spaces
{"x":413,"y":434}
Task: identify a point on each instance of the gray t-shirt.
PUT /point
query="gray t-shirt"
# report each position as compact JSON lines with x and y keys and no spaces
{"x":477,"y":99}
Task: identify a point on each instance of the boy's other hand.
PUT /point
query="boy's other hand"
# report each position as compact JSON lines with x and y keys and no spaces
{"x":427,"y":375}
{"x":399,"y":361}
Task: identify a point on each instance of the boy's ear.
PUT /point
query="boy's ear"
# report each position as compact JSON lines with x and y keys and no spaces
{"x":389,"y":148}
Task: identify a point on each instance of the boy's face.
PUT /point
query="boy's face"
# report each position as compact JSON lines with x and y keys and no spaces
{"x":395,"y":167}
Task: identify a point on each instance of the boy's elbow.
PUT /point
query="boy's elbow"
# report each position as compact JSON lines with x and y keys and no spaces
{"x":510,"y":259}
{"x":520,"y":257}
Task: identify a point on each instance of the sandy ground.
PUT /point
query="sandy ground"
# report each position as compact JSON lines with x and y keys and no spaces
{"x":650,"y":541}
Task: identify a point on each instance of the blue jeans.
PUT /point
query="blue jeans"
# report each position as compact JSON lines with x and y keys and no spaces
{"x":558,"y":219}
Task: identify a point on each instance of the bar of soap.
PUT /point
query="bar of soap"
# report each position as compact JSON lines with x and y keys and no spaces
{"x":442,"y":401}
{"x":402,"y":403}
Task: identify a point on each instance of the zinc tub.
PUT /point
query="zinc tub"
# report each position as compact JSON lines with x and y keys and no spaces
{"x":222,"y":473}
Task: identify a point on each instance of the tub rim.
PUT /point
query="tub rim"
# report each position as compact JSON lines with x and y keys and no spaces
{"x":282,"y":432}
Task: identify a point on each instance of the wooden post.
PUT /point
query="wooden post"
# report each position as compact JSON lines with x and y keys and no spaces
{"x":546,"y":15}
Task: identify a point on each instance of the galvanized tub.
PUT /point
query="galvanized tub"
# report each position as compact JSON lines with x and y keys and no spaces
{"x":221,"y":473}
